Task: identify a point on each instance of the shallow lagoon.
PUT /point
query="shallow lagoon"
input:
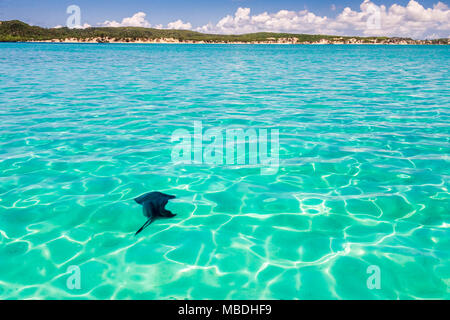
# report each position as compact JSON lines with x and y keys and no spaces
{"x":362,"y":181}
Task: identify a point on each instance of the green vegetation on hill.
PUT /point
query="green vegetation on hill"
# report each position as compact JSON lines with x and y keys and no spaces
{"x":15,"y":30}
{"x":19,"y":31}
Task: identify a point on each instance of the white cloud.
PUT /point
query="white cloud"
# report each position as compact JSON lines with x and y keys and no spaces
{"x":84,"y":26}
{"x":179,"y":24}
{"x":412,"y":20}
{"x":282,"y":21}
{"x":137,"y":20}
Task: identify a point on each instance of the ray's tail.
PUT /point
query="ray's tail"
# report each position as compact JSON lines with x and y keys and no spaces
{"x":146,"y":224}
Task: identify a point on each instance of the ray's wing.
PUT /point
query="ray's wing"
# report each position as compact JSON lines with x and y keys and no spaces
{"x":166,"y":213}
{"x":168,"y":196}
{"x":153,"y":195}
{"x":145,"y":197}
{"x":162,"y":211}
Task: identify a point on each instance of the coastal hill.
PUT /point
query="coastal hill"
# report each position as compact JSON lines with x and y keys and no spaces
{"x":18,"y":31}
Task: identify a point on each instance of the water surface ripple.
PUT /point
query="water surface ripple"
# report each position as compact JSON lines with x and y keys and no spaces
{"x":363,"y":178}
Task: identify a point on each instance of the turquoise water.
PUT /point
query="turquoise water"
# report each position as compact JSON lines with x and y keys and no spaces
{"x":362,"y":184}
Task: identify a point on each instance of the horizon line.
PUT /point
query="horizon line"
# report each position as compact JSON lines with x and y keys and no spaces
{"x":219,"y":34}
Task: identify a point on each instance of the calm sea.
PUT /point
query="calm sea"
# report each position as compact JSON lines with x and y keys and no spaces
{"x":357,"y":208}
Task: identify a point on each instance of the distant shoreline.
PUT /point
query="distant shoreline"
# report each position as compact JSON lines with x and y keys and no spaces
{"x":174,"y":41}
{"x":18,"y":31}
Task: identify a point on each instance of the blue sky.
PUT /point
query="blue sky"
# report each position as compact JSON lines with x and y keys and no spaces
{"x":49,"y":13}
{"x":198,"y":13}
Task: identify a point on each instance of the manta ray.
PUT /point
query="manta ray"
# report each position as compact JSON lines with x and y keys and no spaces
{"x":153,"y":204}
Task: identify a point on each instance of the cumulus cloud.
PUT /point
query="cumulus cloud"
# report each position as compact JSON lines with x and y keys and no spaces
{"x":282,"y":21}
{"x":412,"y":20}
{"x":84,"y":26}
{"x":137,"y":20}
{"x":179,"y":24}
